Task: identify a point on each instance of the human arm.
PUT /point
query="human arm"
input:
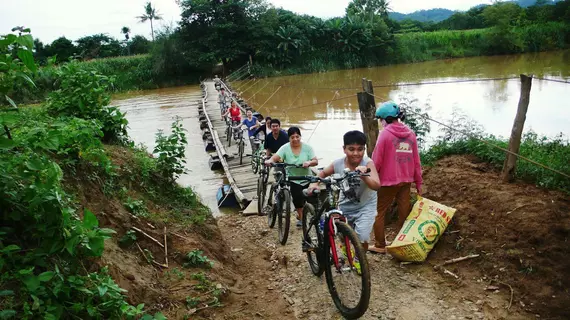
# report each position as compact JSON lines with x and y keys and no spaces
{"x":275,"y":158}
{"x":311,"y":155}
{"x":372,"y":180}
{"x":418,"y":179}
{"x":378,"y":153}
{"x":327,"y":171}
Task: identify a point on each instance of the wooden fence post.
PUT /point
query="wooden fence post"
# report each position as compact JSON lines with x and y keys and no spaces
{"x":509,"y":166}
{"x":367,"y":107}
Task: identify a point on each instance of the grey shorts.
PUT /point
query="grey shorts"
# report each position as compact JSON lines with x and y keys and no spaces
{"x":361,"y":219}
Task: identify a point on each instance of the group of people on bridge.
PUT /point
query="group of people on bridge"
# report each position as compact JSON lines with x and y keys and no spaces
{"x":394,"y":166}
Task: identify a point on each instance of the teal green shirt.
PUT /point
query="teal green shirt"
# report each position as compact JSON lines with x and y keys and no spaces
{"x":287,"y":155}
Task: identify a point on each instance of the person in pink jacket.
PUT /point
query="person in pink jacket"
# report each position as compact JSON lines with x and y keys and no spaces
{"x":397,"y":160}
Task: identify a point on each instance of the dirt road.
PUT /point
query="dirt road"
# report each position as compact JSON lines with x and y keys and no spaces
{"x":275,"y":283}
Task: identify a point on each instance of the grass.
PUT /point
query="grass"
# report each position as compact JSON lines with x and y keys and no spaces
{"x":553,"y":152}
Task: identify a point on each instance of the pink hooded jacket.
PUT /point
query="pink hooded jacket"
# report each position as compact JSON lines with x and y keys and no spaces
{"x":396,"y":156}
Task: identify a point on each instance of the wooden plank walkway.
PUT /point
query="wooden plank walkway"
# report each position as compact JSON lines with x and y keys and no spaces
{"x":241,"y":177}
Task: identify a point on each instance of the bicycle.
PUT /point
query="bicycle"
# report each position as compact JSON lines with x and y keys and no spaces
{"x":262,"y":190}
{"x":340,"y":259}
{"x":280,"y":201}
{"x":241,"y":143}
{"x":256,"y":156}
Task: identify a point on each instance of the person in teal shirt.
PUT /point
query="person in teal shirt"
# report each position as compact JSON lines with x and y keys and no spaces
{"x":299,"y":153}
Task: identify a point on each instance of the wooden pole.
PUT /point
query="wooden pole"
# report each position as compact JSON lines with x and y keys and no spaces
{"x":367,"y":107}
{"x":509,"y":166}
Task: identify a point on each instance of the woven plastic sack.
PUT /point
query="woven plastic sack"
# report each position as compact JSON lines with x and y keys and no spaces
{"x":423,"y":227}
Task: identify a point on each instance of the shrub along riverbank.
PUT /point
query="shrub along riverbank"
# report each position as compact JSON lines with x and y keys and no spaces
{"x":68,"y":172}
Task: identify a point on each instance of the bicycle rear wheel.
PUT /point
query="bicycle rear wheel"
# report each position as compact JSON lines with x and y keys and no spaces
{"x":261,"y":191}
{"x":229,"y":135}
{"x":312,"y":239}
{"x":271,"y":213}
{"x":241,"y":150}
{"x":284,"y":215}
{"x":255,"y":162}
{"x":348,"y":283}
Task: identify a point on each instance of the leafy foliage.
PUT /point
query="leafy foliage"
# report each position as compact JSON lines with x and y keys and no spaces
{"x":553,"y":151}
{"x":83,"y":93}
{"x":196,"y":258}
{"x":170,"y":150}
{"x":44,"y":240}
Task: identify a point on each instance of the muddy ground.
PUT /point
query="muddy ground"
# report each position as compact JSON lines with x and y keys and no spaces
{"x":520,"y":232}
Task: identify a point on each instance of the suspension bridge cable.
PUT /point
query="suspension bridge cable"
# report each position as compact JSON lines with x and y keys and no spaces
{"x":266,"y":83}
{"x":319,"y":122}
{"x":441,"y":82}
{"x":553,"y":80}
{"x":256,"y":81}
{"x":271,"y":96}
{"x":473,"y":136}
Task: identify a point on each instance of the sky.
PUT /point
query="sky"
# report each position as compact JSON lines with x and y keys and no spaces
{"x":73,"y":19}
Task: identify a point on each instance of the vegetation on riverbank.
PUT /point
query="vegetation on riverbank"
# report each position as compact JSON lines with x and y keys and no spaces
{"x":553,"y":152}
{"x":55,"y":161}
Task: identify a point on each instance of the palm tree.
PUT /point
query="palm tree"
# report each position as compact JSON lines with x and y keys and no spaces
{"x":150,"y":14}
{"x":126,"y":31}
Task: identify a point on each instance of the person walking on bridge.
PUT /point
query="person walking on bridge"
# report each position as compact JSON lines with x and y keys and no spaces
{"x":222,"y":100}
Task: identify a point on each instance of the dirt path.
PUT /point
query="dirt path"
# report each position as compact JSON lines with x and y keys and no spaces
{"x":276,"y":283}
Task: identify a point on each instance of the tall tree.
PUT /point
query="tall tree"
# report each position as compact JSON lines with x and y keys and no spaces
{"x":126,"y":31}
{"x":151,"y":14}
{"x":368,"y":8}
{"x":219,"y":30}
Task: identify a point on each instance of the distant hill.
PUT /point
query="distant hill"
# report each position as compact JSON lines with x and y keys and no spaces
{"x":440,"y":14}
{"x":435,"y":15}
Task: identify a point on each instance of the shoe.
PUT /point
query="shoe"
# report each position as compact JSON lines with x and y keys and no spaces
{"x":355,"y":262}
{"x":299,"y":224}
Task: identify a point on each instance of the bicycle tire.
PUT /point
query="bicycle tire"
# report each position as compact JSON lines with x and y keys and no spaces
{"x":310,"y":235}
{"x":284,"y":216}
{"x":261,"y":192}
{"x":271,"y":216}
{"x":241,"y":150}
{"x":229,"y":136}
{"x":255,"y":162}
{"x":348,"y":312}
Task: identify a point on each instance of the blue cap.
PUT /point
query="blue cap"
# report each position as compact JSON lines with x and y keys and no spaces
{"x":387,"y":109}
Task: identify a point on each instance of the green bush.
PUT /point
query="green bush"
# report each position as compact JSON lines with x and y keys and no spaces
{"x":84,"y":94}
{"x":553,"y":152}
{"x":170,"y":149}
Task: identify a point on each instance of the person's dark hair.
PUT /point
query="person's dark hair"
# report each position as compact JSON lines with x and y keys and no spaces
{"x":390,"y":119}
{"x":293,"y":130}
{"x":354,"y":137}
{"x":268,"y":119}
{"x":276,"y":121}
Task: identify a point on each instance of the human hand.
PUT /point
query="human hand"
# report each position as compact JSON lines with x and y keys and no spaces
{"x":312,"y":187}
{"x":361,"y":169}
{"x":306,"y":164}
{"x":419,"y":191}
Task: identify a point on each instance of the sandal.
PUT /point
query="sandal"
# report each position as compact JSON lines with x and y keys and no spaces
{"x":378,"y":250}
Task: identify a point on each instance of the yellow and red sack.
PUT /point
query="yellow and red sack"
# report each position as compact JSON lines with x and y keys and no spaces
{"x":423,"y":227}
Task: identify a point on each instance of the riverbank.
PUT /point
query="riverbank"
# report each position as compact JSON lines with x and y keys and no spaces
{"x":437,"y":45}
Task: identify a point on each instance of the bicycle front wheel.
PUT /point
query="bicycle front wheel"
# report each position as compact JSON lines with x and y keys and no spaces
{"x":241,"y":147}
{"x":261,"y":190}
{"x":346,"y":271}
{"x":271,"y":213}
{"x":255,"y":162}
{"x":284,"y":215}
{"x":312,"y":239}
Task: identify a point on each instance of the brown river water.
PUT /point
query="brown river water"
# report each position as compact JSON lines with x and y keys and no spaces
{"x":492,"y":104}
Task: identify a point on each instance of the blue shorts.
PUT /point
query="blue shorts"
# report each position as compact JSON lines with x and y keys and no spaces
{"x":361,"y":219}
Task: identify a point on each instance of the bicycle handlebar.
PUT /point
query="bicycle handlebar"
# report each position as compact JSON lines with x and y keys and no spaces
{"x":331,"y":180}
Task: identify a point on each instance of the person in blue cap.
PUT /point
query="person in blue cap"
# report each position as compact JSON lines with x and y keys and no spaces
{"x":397,"y":160}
